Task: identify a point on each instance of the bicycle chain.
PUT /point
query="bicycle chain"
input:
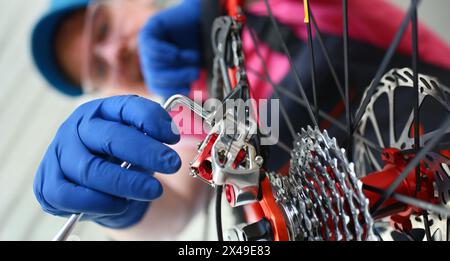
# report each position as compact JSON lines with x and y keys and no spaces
{"x":236,"y":59}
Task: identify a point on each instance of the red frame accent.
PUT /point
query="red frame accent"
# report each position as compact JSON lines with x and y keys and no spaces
{"x":268,"y":208}
{"x":233,"y":7}
{"x":395,"y":162}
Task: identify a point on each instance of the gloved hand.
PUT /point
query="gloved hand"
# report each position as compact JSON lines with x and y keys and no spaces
{"x":81,"y":172}
{"x":169,"y":49}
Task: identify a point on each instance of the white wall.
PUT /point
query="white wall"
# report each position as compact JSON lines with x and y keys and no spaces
{"x":434,"y":13}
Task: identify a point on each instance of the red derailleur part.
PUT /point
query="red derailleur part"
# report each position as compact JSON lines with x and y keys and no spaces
{"x":267,"y":208}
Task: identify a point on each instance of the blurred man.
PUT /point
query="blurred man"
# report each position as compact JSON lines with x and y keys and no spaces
{"x":113,"y":47}
{"x":97,"y":44}
{"x":94,"y":43}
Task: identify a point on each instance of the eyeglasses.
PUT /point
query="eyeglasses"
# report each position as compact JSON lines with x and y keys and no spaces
{"x":110,"y":57}
{"x":97,"y":31}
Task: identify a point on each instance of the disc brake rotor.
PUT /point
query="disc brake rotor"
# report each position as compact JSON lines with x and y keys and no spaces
{"x":398,"y":133}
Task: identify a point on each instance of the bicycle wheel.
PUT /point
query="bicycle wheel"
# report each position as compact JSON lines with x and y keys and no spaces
{"x":401,"y":157}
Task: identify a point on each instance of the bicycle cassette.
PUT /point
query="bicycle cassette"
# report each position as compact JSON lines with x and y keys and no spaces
{"x":321,"y":198}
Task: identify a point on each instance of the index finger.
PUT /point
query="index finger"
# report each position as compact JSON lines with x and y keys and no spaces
{"x":143,"y":114}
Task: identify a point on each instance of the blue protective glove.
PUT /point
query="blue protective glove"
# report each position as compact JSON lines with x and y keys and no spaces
{"x":81,"y":172}
{"x":169,"y":49}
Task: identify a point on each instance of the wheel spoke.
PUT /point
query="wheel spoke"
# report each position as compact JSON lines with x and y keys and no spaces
{"x":391,"y":100}
{"x":415,"y":68}
{"x":269,"y":79}
{"x":291,"y":63}
{"x":346,"y":82}
{"x":373,"y":160}
{"x":439,"y":158}
{"x":311,"y":58}
{"x":327,"y":55}
{"x":428,"y":136}
{"x":406,"y":130}
{"x":284,"y":147}
{"x":322,"y":114}
{"x":428,"y":147}
{"x":387,"y":58}
{"x":376,"y":128}
{"x":437,"y":209}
